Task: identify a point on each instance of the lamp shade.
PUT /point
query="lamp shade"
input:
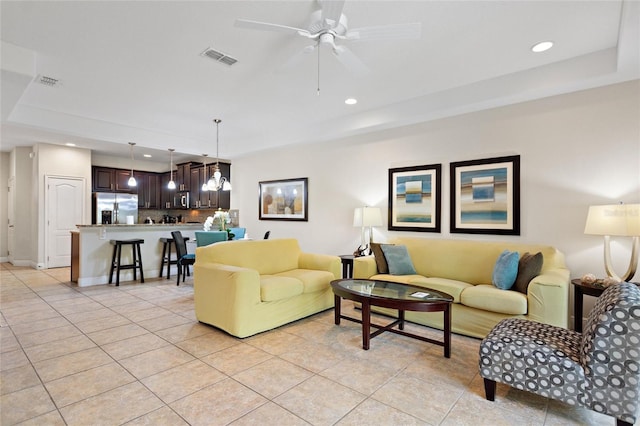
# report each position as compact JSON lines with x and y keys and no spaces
{"x":367,"y":216}
{"x":614,"y":220}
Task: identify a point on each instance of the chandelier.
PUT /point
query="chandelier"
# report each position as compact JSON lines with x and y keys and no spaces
{"x":217,"y":181}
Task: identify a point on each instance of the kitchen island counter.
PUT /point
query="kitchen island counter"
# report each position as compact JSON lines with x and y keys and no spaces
{"x":94,"y":251}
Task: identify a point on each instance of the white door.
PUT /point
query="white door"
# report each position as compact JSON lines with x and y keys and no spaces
{"x":65,"y":209}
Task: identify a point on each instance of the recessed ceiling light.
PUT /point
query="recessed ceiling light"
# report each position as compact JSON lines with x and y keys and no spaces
{"x":147,"y":155}
{"x":542,"y":46}
{"x":70,"y":144}
{"x":351,"y":101}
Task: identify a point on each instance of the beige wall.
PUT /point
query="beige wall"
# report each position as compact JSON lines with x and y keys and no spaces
{"x":4,"y":199}
{"x":576,"y":150}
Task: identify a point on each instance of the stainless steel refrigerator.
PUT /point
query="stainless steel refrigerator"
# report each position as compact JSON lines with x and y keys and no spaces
{"x":112,"y":208}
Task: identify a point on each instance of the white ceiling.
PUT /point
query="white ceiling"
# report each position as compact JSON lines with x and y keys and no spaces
{"x":132,"y":70}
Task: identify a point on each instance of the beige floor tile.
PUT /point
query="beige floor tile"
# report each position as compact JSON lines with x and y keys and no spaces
{"x":218,"y":404}
{"x":146,"y":314}
{"x":58,"y":348}
{"x":114,"y":407}
{"x":13,"y":359}
{"x":372,"y":412}
{"x":8,"y":341}
{"x":561,"y":414}
{"x":98,"y":314}
{"x":320,"y":401}
{"x":133,"y":346}
{"x":46,"y":324}
{"x":185,"y":332}
{"x":50,"y":335}
{"x":134,"y":306}
{"x":441,"y":397}
{"x":55,"y":368}
{"x":155,"y":361}
{"x":313,"y":356}
{"x":236,"y":358}
{"x":164,"y":416}
{"x":273,"y":377}
{"x":24,"y":405}
{"x":275,"y":342}
{"x":29,"y":316}
{"x":269,"y":414}
{"x":360,"y":375}
{"x":52,"y":418}
{"x":85,"y":384}
{"x":110,"y":321}
{"x":17,"y":379}
{"x":115,"y":334}
{"x":208,"y":343}
{"x":183,"y":380}
{"x":163,"y":322}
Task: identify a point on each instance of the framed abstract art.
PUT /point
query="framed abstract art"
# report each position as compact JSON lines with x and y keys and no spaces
{"x":414,"y":198}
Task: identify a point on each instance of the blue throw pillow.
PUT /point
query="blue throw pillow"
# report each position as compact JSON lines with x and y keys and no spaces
{"x":506,"y":270}
{"x":398,"y":260}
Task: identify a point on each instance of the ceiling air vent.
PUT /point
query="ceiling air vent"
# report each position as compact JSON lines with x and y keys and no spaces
{"x":47,"y":81}
{"x":218,"y":56}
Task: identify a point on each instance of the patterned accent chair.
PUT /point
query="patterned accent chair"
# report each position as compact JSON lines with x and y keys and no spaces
{"x":598,"y":369}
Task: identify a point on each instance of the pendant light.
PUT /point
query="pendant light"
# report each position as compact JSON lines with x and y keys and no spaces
{"x":172,"y":184}
{"x":205,"y":186}
{"x":132,"y":180}
{"x":217,"y":181}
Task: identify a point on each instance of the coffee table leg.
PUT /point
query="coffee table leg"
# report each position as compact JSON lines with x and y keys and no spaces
{"x":336,"y":309}
{"x":366,"y":325}
{"x":447,"y":331}
{"x":401,"y":319}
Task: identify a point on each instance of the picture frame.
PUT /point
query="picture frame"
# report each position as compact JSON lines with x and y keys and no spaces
{"x":485,"y":196}
{"x":285,"y":199}
{"x":415,"y":198}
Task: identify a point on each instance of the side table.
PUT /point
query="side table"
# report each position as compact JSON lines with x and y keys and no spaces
{"x":347,"y":265}
{"x":580,"y":289}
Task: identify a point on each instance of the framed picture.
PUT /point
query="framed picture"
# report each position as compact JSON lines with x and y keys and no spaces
{"x":414,"y":198}
{"x":485,"y":196}
{"x":283,"y":200}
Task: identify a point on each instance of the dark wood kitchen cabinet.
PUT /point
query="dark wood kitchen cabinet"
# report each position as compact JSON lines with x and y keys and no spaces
{"x":107,"y":179}
{"x":183,"y":177}
{"x":148,"y":190}
{"x":166,"y":194}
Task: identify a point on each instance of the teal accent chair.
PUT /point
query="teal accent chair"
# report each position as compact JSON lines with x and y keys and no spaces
{"x":204,"y":238}
{"x":238,"y":233}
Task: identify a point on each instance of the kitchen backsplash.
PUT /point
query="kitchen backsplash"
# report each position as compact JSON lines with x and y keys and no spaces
{"x":184,"y":216}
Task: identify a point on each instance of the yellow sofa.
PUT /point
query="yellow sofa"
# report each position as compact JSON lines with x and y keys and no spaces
{"x":246,"y":287}
{"x":464,"y":270}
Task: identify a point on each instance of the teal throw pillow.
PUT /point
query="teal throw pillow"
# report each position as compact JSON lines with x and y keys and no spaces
{"x":506,"y":270}
{"x":398,"y":260}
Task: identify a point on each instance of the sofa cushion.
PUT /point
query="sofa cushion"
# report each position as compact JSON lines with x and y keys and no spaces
{"x":505,"y":270}
{"x":404,"y":279}
{"x":398,"y":260}
{"x":451,"y":287}
{"x":381,"y":261}
{"x":529,"y":267}
{"x":312,"y":281}
{"x":277,"y":288}
{"x":490,"y":298}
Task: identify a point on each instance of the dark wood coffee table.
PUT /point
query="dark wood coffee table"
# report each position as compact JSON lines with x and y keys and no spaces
{"x":402,"y":297}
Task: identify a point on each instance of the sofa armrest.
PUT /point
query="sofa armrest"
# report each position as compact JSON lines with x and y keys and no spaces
{"x":224,"y":293}
{"x":364,"y":267}
{"x":548,"y":297}
{"x":320,"y":262}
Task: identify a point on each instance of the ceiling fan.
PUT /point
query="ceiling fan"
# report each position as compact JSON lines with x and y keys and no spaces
{"x":328,"y":25}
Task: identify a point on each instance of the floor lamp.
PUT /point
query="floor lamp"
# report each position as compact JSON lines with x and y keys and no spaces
{"x":366,"y":217}
{"x":619,"y":220}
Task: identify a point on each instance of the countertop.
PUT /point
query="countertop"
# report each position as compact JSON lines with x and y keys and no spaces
{"x":144,"y":225}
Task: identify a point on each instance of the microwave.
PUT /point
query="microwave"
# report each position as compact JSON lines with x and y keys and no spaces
{"x":181,"y":200}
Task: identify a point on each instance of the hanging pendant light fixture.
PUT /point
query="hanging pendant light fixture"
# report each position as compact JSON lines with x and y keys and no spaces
{"x":217,"y":181}
{"x":132,"y":180}
{"x":205,"y":186}
{"x":172,"y":184}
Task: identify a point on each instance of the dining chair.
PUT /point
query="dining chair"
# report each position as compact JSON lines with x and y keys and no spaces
{"x":204,"y":238}
{"x":184,"y":259}
{"x":238,"y":233}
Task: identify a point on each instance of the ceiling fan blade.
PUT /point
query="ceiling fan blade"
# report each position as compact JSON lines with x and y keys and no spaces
{"x":386,"y":32}
{"x":265,"y":26}
{"x":298,"y":57}
{"x":350,"y":61}
{"x":331,"y":10}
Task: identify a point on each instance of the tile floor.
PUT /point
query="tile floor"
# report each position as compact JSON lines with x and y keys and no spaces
{"x":136,"y":355}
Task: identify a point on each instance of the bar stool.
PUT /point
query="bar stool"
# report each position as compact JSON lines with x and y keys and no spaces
{"x":167,"y":246}
{"x":117,"y":255}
